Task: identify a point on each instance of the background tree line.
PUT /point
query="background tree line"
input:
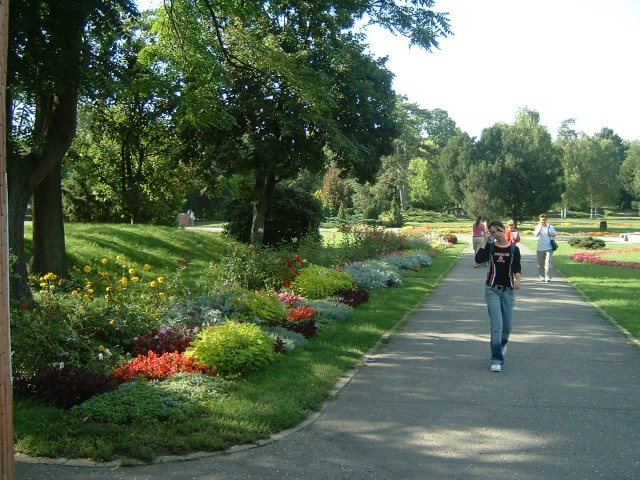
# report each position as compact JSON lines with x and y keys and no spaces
{"x":120,"y":116}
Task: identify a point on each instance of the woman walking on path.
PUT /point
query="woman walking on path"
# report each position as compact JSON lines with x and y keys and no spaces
{"x":479,"y":232}
{"x":545,"y":233}
{"x":504,"y":277}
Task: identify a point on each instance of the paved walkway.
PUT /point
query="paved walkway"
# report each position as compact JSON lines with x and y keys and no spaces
{"x":567,"y":404}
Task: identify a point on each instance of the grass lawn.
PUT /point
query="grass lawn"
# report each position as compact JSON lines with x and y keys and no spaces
{"x":615,"y":291}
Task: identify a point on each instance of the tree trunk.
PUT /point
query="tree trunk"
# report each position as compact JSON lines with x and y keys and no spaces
{"x":48,"y":250}
{"x":263,"y":194}
{"x":55,"y":126}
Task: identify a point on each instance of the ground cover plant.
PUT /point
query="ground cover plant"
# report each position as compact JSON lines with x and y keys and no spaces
{"x":167,"y":399}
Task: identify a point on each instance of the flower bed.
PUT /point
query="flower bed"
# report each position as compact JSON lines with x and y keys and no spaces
{"x":594,"y":257}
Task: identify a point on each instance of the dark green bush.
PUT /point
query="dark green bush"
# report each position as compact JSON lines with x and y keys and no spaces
{"x":587,"y":243}
{"x":294,"y":214}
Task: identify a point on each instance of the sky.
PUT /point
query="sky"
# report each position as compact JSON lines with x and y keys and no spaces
{"x":565,"y":59}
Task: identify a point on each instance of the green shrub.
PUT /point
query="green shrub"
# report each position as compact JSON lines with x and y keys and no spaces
{"x":294,"y":214}
{"x":254,"y":268}
{"x":232,"y":348}
{"x":173,"y":400}
{"x":587,"y":243}
{"x":393,"y":217}
{"x":317,"y":282}
{"x":262,"y":306}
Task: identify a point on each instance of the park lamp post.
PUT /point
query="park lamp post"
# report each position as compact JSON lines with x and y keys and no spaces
{"x":7,"y":461}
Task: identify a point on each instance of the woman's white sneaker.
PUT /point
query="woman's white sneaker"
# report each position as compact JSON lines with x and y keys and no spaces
{"x":496,"y":367}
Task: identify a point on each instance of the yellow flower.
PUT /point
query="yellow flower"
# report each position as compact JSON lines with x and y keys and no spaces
{"x":104,"y":261}
{"x":52,"y":287}
{"x":86,"y":297}
{"x":124,"y":281}
{"x":109,"y":289}
{"x":43,"y":284}
{"x":87,"y":269}
{"x":112,"y":322}
{"x":101,"y":348}
{"x":106,"y":295}
{"x":160,"y":279}
{"x":74,"y":293}
{"x":132,"y":271}
{"x":42,"y":292}
{"x":147,"y":266}
{"x":153,"y":284}
{"x":90,"y":291}
{"x":135,"y":279}
{"x":119,"y":257}
{"x":161,"y":294}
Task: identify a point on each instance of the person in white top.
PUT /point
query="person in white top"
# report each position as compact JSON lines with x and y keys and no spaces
{"x":545,"y":233}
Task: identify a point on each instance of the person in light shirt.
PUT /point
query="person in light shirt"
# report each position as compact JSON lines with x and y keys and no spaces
{"x":545,"y":233}
{"x":512,"y":235}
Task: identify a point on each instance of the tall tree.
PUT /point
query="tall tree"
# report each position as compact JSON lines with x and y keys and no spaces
{"x":128,"y":137}
{"x":287,"y":82}
{"x":630,"y":171}
{"x":592,"y":171}
{"x":54,"y":46}
{"x":528,"y":179}
{"x":621,"y":147}
{"x":455,"y":161}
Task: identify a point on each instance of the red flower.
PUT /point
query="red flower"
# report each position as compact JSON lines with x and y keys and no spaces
{"x":298,"y":314}
{"x":156,"y":367}
{"x":594,"y":258}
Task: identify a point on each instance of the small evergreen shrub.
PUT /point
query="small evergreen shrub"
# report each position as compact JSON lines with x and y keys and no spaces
{"x":316,"y":282}
{"x":64,"y":387}
{"x":587,"y":243}
{"x":373,"y":274}
{"x":393,"y":217}
{"x":232,"y":348}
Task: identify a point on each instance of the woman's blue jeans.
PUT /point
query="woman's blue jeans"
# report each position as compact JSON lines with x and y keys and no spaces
{"x":500,"y":305}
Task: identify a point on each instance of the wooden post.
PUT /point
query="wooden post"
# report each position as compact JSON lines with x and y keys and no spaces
{"x":7,"y":462}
